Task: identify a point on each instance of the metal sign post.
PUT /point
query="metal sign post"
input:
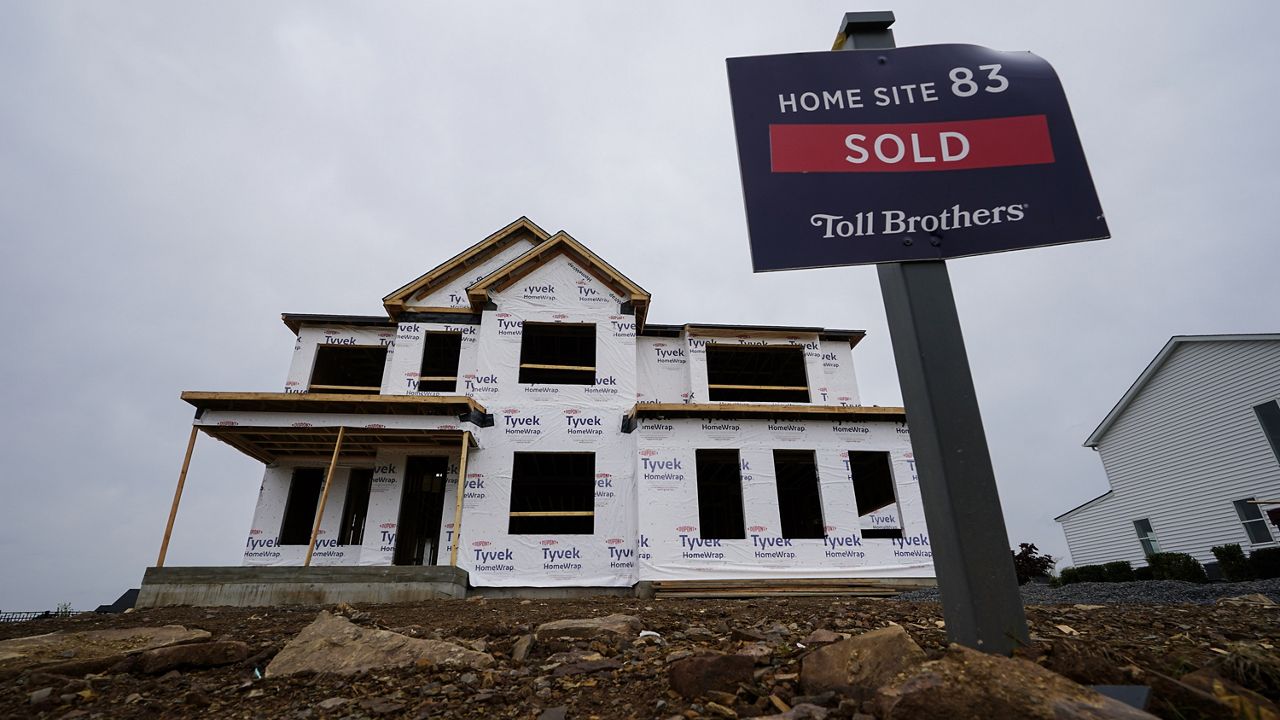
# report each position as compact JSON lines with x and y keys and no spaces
{"x":979,"y":588}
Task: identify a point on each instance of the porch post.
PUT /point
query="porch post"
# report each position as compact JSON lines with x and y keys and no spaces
{"x":324,"y":496}
{"x":457,"y":510}
{"x":177,"y":496}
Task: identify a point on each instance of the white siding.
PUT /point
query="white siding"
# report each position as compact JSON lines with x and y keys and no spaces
{"x":1186,"y":446}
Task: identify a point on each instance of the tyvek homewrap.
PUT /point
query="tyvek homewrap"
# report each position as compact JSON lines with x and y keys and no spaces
{"x":553,"y":418}
{"x":671,"y":545}
{"x":311,"y":337}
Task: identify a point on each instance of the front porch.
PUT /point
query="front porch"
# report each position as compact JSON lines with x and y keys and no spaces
{"x":326,"y":585}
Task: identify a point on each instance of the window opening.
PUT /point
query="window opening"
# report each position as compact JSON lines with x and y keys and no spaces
{"x":799,"y":501}
{"x":300,"y":507}
{"x":881,"y":533}
{"x":875,"y":493}
{"x":1147,"y":536}
{"x":558,"y":353}
{"x":440,"y":354}
{"x":1269,"y":417}
{"x":720,"y":495}
{"x":356,"y":507}
{"x":1255,"y":525}
{"x":349,"y":368}
{"x":553,"y":494}
{"x":767,"y":373}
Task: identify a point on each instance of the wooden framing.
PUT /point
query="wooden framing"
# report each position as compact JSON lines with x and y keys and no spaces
{"x":535,"y":366}
{"x":177,"y":497}
{"x":768,"y":410}
{"x":400,"y":300}
{"x":758,"y":387}
{"x":457,"y":510}
{"x":324,"y":497}
{"x":334,"y":402}
{"x":339,"y":388}
{"x":554,"y":513}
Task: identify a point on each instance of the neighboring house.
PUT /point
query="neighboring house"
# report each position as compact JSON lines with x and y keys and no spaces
{"x":1192,"y":453}
{"x":594,"y":448}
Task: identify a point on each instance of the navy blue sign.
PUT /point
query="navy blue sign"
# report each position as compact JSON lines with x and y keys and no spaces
{"x":916,"y":153}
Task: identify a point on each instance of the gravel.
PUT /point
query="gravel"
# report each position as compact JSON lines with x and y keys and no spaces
{"x":1160,"y":592}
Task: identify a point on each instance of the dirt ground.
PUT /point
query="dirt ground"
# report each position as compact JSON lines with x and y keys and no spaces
{"x":1089,"y":644}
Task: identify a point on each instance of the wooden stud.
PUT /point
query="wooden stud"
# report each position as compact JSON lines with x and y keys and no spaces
{"x":535,"y":366}
{"x":567,"y":513}
{"x":177,"y":497}
{"x":324,"y":496}
{"x":757,"y":387}
{"x":457,"y":510}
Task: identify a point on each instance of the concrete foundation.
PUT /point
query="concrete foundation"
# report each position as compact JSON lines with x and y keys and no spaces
{"x":265,"y":586}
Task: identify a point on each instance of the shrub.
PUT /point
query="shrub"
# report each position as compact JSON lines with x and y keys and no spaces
{"x":1120,"y":571}
{"x":1092,"y":573}
{"x":1068,"y":575}
{"x":1234,"y":565}
{"x":1028,"y":563}
{"x":1176,"y":566}
{"x":1143,"y":573}
{"x":1265,"y":563}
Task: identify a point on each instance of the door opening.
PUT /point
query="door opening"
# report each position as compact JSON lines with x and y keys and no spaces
{"x":421,"y":504}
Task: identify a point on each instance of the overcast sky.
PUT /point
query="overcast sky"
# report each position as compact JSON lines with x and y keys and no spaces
{"x":175,"y":175}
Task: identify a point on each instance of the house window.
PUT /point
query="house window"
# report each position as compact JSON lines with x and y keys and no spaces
{"x":1254,"y":524}
{"x":1269,"y":417}
{"x":766,"y":373}
{"x":300,"y":508}
{"x":720,"y":495}
{"x":356,"y":507}
{"x":440,"y":353}
{"x":348,"y":369}
{"x":875,"y":494}
{"x":558,"y":354}
{"x":799,"y":503}
{"x":1147,"y":536}
{"x":553,"y":494}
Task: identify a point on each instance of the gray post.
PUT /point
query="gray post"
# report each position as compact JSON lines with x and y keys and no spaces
{"x":970,"y":545}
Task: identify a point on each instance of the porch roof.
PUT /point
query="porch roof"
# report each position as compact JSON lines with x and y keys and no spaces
{"x":269,"y":444}
{"x":334,"y":403}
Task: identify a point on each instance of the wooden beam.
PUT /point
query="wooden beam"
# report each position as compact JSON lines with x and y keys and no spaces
{"x":462,"y":488}
{"x":757,"y":387}
{"x":535,"y":366}
{"x":566,"y":513}
{"x":324,"y":496}
{"x":177,"y":497}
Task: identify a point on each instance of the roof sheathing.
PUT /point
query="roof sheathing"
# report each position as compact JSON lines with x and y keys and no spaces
{"x":401,"y":299}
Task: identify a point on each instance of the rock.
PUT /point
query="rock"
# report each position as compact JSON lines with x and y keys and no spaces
{"x":610,"y":627}
{"x":555,"y":713}
{"x":694,"y":676}
{"x":759,"y":652}
{"x":968,"y":683}
{"x":1245,"y":702}
{"x":822,"y":636}
{"x":333,"y":644}
{"x":41,"y":696}
{"x":199,"y":655}
{"x":331,"y":703}
{"x":799,"y":712}
{"x":520,"y":652}
{"x":586,"y":667}
{"x":89,"y":646}
{"x":716,"y":708}
{"x":746,"y":634}
{"x":859,"y":665}
{"x":381,"y":706}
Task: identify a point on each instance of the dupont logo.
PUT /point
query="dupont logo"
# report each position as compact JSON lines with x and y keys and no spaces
{"x":757,"y":528}
{"x":511,"y":411}
{"x":292,"y":383}
{"x":503,"y":315}
{"x":582,"y":282}
{"x":560,"y":316}
{"x":442,"y":427}
{"x":549,"y":541}
{"x":386,"y":334}
{"x":686,"y":528}
{"x":909,"y":456}
{"x":387,"y":525}
{"x":659,"y":344}
{"x":331,"y":332}
{"x":829,"y":528}
{"x":614,"y":541}
{"x":743,"y":337}
{"x":845,"y":454}
{"x":255,"y":531}
{"x":376,"y":426}
{"x":481,"y":543}
{"x":572,"y":411}
{"x":822,"y":389}
{"x":227,"y":423}
{"x":414,"y":373}
{"x":844,"y":398}
{"x":648,"y":453}
{"x":475,"y":475}
{"x":301,"y":424}
{"x":603,"y":476}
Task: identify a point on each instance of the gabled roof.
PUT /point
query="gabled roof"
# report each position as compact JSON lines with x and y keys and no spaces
{"x":1154,"y":367}
{"x":458,"y":264}
{"x":560,"y":244}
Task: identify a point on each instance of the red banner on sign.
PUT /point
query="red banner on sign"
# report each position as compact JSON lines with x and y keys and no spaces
{"x":911,"y":147}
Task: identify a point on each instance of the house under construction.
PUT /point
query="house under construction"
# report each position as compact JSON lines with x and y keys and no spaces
{"x":515,"y":421}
